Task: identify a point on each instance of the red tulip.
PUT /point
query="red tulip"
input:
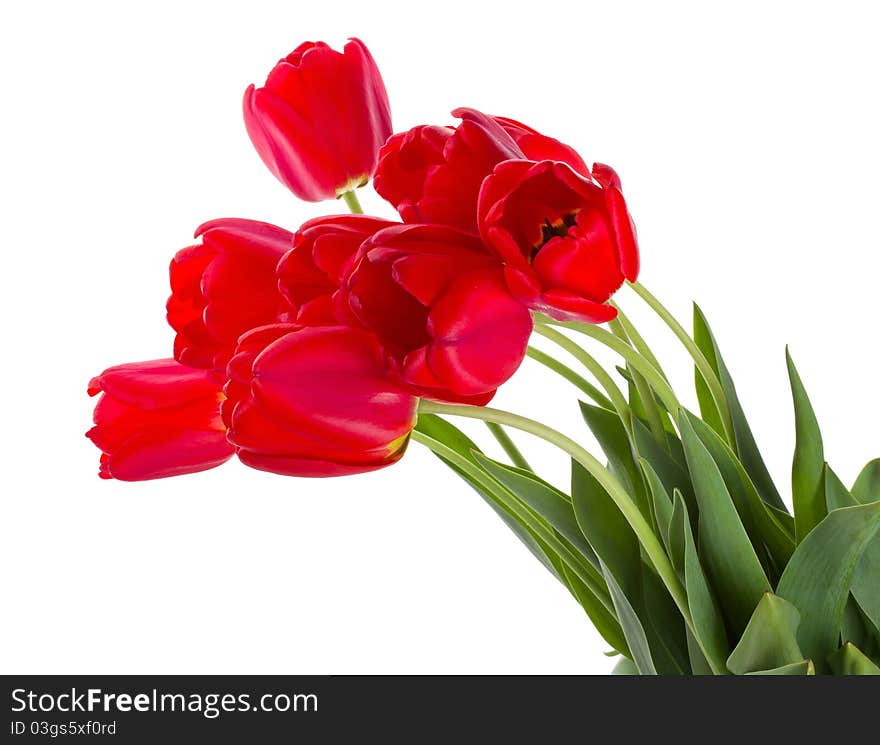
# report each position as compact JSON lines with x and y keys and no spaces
{"x":433,"y":174}
{"x":157,"y":419}
{"x":315,"y":401}
{"x":320,"y":119}
{"x":567,"y":241}
{"x":438,"y":303}
{"x":310,"y":273}
{"x":224,"y":286}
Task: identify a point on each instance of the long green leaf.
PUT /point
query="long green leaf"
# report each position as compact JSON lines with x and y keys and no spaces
{"x":809,"y":459}
{"x":758,"y":518}
{"x":770,"y":638}
{"x":818,"y":578}
{"x":662,"y":504}
{"x":730,"y":559}
{"x":594,"y":600}
{"x":746,"y":447}
{"x":849,"y":660}
{"x":448,"y":434}
{"x":632,"y":627}
{"x":551,"y":504}
{"x":867,"y":486}
{"x":708,"y":624}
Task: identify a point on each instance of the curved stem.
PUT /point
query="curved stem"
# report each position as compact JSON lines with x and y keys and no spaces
{"x":637,"y":340}
{"x":570,"y":375}
{"x":650,"y":542}
{"x":516,"y":457}
{"x":618,"y":402}
{"x":513,"y":506}
{"x":649,"y":403}
{"x":699,"y":358}
{"x":351,"y":200}
{"x":638,"y":363}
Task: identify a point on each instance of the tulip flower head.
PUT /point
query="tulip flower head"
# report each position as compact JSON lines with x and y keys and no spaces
{"x":315,"y":401}
{"x":157,"y":419}
{"x":311,"y":273}
{"x":224,"y":286}
{"x":567,"y":241}
{"x":319,"y":120}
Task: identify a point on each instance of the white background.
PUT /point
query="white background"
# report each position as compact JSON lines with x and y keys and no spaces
{"x":746,"y":138}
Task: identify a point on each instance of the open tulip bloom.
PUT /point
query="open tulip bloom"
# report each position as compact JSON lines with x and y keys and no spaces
{"x":326,"y":350}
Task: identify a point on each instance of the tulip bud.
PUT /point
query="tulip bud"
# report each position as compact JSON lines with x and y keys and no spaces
{"x":315,"y":401}
{"x":320,"y":119}
{"x":224,"y":286}
{"x":157,"y":419}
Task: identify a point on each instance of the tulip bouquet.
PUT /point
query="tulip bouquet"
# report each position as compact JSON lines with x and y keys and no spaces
{"x":325,"y":351}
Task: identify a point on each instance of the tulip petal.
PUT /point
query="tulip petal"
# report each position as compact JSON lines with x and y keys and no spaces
{"x":479,"y":334}
{"x":332,"y":382}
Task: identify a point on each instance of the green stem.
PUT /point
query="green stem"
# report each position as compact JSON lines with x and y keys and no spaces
{"x":570,"y":375}
{"x":518,"y":511}
{"x":638,"y":363}
{"x":650,"y":542}
{"x":637,"y":340}
{"x":618,"y":402}
{"x":350,"y":199}
{"x":699,"y":358}
{"x":516,"y":457}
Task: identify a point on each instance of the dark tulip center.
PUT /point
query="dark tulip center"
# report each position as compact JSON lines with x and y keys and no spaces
{"x":554,"y":229}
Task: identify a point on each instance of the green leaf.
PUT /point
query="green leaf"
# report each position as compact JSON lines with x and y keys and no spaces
{"x":809,"y":459}
{"x":849,"y":660}
{"x":606,"y":529}
{"x":746,"y":447}
{"x":550,"y":503}
{"x":708,"y":624}
{"x":730,"y":560}
{"x":818,"y":578}
{"x":770,"y":638}
{"x":699,"y":665}
{"x":804,"y":667}
{"x":441,"y":430}
{"x":662,"y":504}
{"x":866,"y":579}
{"x":705,"y":343}
{"x":676,"y":531}
{"x":448,"y":434}
{"x":855,"y":627}
{"x":594,"y":600}
{"x":758,"y":518}
{"x":632,"y":627}
{"x":867,"y":486}
{"x":664,"y":626}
